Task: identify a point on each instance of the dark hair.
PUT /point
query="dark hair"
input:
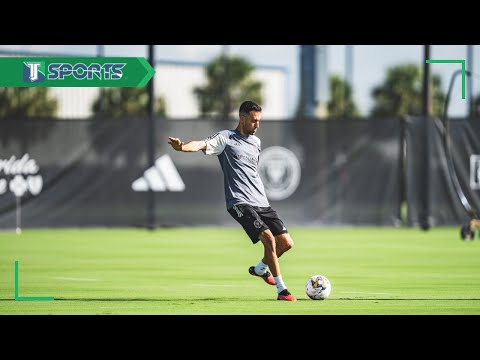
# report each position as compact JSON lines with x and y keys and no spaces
{"x":248,"y":106}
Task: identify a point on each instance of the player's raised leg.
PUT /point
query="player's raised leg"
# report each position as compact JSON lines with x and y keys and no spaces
{"x":261,"y":270}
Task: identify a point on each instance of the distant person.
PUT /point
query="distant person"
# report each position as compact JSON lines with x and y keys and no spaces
{"x":238,"y":151}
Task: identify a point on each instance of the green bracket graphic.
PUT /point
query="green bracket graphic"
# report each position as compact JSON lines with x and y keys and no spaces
{"x":452,"y":62}
{"x":34,"y":298}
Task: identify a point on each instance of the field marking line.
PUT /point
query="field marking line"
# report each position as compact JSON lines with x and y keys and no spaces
{"x":75,"y":279}
{"x":218,"y":285}
{"x":364,"y":292}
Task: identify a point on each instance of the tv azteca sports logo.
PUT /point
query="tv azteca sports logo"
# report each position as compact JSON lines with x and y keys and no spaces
{"x":36,"y":72}
{"x":33,"y":72}
{"x":75,"y":71}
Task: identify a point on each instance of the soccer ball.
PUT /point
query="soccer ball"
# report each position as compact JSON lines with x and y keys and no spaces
{"x":318,"y":287}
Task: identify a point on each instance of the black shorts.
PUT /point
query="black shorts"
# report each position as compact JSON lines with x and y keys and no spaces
{"x":255,"y":219}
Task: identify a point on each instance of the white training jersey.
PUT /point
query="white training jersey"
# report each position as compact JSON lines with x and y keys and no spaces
{"x":238,"y":156}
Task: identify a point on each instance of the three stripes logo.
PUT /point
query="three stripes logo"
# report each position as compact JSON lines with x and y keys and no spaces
{"x":239,"y":212}
{"x":163,"y":176}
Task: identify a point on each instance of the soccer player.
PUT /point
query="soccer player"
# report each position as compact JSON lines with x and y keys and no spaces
{"x":238,"y":151}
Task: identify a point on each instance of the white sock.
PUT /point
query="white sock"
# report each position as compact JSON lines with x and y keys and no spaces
{"x":261,"y":268}
{"x":280,"y":284}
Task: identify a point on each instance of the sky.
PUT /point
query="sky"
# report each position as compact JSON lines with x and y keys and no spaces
{"x":370,"y":63}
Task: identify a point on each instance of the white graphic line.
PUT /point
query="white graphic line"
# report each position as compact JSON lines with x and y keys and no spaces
{"x":365,"y":292}
{"x":75,"y":279}
{"x":218,"y":285}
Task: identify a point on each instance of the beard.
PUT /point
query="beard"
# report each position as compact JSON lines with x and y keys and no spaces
{"x":249,"y":131}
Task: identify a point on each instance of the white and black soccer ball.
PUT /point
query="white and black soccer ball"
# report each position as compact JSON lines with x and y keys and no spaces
{"x":318,"y":287}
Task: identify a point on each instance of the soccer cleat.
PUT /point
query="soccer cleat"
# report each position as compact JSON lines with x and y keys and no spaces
{"x":285,"y":295}
{"x":267,"y":277}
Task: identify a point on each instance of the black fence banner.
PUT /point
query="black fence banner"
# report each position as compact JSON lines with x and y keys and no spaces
{"x":74,"y":173}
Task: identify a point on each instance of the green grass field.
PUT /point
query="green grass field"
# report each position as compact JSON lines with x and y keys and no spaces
{"x":205,"y":271}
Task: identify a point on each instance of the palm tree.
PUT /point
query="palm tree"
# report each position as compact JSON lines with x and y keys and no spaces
{"x":123,"y":101}
{"x":401,"y":93}
{"x":26,"y":102}
{"x":341,"y":103}
{"x":229,"y":83}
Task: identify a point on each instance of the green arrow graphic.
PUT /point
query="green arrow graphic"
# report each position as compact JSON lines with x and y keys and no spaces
{"x":74,"y":72}
{"x":148,"y":75}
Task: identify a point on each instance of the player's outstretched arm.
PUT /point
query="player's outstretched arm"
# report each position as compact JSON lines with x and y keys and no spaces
{"x":191,"y":146}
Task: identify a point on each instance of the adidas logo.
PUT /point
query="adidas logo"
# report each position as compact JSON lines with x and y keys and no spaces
{"x":163,"y":176}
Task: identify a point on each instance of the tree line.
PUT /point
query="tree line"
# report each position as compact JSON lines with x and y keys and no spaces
{"x":230,"y":81}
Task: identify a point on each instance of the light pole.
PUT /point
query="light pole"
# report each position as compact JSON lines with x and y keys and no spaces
{"x":226,"y":81}
{"x":151,"y":140}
